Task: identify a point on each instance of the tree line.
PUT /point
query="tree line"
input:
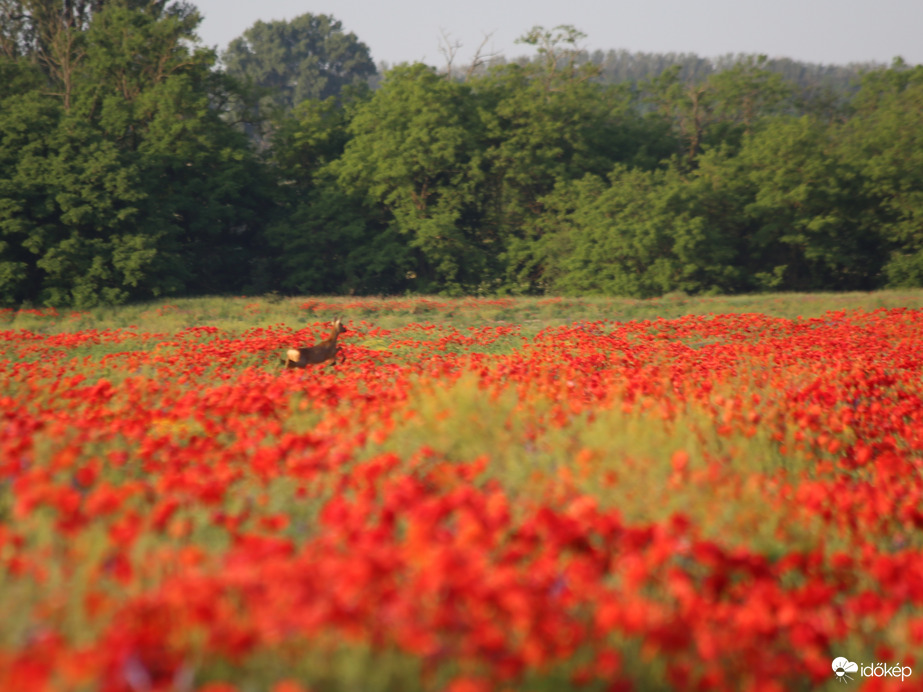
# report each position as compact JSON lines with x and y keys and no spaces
{"x":135,"y":164}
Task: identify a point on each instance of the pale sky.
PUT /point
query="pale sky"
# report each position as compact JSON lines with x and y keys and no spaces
{"x":819,"y":31}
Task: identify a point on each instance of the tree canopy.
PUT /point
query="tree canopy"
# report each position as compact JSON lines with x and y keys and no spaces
{"x":129,"y":169}
{"x":308,"y":57}
{"x":122,"y":180}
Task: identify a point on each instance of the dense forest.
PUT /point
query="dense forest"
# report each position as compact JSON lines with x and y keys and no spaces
{"x":135,"y":163}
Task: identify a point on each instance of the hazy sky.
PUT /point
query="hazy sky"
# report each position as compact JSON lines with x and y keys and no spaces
{"x":821,"y":31}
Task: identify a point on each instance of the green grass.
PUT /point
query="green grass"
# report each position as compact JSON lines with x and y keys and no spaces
{"x":237,"y":314}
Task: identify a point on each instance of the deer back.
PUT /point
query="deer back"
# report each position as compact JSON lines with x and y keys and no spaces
{"x":312,"y":355}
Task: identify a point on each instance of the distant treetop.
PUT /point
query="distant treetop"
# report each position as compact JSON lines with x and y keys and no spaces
{"x":309,"y":57}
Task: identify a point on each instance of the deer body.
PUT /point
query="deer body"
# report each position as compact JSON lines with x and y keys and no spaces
{"x":312,"y":355}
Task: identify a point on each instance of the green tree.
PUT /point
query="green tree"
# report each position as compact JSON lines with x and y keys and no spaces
{"x":748,"y":91}
{"x":51,"y":34}
{"x":884,"y":141}
{"x":415,"y":155}
{"x":687,"y":107}
{"x":807,"y":211}
{"x":308,"y":57}
{"x":205,"y":188}
{"x":135,"y":188}
{"x":633,"y":235}
{"x":28,"y":119}
{"x":547,"y":122}
{"x":326,"y":240}
{"x":720,"y":109}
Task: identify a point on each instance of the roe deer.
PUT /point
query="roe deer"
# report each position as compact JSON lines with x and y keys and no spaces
{"x":312,"y":355}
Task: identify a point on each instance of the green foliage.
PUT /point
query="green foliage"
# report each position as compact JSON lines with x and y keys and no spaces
{"x":99,"y":247}
{"x":414,"y":153}
{"x":718,"y":110}
{"x":312,"y":136}
{"x":326,"y":241}
{"x":130,"y":185}
{"x":634,"y":236}
{"x":309,"y":57}
{"x":18,"y":76}
{"x":325,"y":238}
{"x":126,"y":170}
{"x":27,"y":121}
{"x":806,"y":211}
{"x":748,"y":91}
{"x":539,"y":128}
{"x":885,"y":143}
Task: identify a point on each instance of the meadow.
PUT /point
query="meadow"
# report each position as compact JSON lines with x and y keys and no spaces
{"x":488,"y":494}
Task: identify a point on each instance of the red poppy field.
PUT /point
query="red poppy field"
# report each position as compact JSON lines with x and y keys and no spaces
{"x":708,"y":502}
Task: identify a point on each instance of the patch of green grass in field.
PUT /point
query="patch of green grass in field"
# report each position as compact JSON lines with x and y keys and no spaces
{"x":235,"y":315}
